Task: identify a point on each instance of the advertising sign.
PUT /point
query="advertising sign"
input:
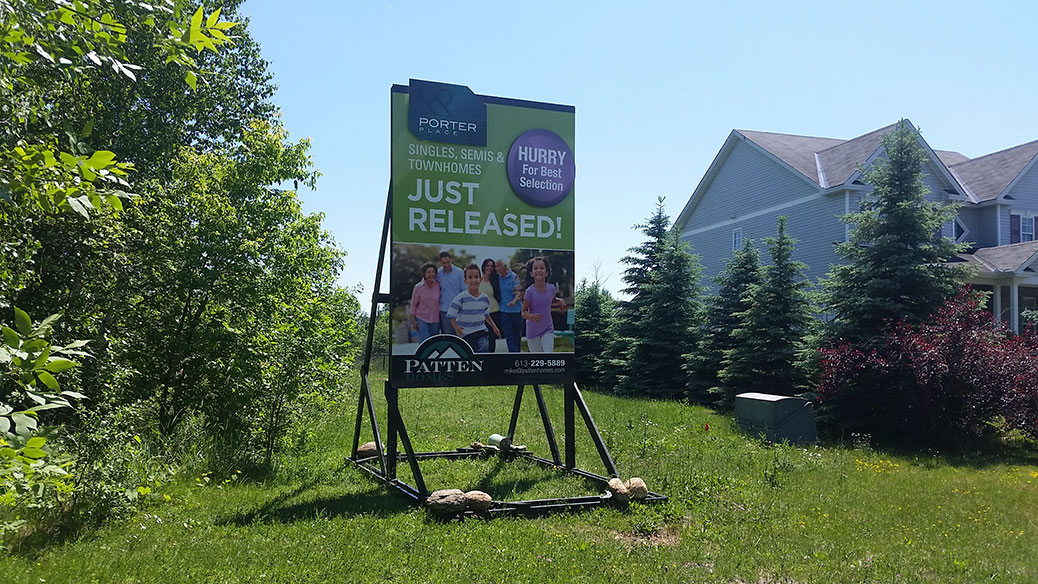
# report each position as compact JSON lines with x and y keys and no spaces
{"x":481,"y":274}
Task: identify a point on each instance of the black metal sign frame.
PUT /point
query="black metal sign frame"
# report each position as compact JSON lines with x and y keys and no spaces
{"x":383,"y":466}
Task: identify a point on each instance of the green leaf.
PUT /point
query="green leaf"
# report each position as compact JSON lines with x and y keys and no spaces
{"x":196,"y":19}
{"x":87,"y":129}
{"x":115,"y":202}
{"x":68,"y":160}
{"x":23,"y":424}
{"x":45,"y":327}
{"x":33,"y":345}
{"x":22,"y":321}
{"x":8,"y":452}
{"x":33,"y":453}
{"x":191,"y":78}
{"x":74,"y":394}
{"x":100,"y":159}
{"x":58,"y":364}
{"x":36,"y":397}
{"x":78,"y":207}
{"x":36,"y":442}
{"x":11,"y":338}
{"x":213,"y":18}
{"x":47,"y":379}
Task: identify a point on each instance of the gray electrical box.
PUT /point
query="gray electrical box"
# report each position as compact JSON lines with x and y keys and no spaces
{"x":778,"y":417}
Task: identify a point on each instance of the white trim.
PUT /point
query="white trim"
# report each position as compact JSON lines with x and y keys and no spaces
{"x":996,"y":302}
{"x":755,"y":214}
{"x":737,"y":235}
{"x":822,"y":180}
{"x":965,"y":229}
{"x":1014,"y":306}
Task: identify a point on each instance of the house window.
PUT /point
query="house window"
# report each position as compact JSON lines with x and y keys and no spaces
{"x":1026,"y":229}
{"x":737,"y":239}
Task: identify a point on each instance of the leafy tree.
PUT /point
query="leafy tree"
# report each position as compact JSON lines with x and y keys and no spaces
{"x":595,"y":310}
{"x":894,"y":266}
{"x":771,"y":332}
{"x":722,"y":319}
{"x":656,"y":327}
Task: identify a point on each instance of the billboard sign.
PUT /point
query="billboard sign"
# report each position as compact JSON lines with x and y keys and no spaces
{"x":481,"y":273}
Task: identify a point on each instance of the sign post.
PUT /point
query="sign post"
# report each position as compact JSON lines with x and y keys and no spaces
{"x":480,"y":219}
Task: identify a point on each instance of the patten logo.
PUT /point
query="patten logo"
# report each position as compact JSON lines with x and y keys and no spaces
{"x":442,"y":358}
{"x":442,"y":112}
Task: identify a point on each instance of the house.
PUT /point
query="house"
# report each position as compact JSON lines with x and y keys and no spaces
{"x":758,"y":176}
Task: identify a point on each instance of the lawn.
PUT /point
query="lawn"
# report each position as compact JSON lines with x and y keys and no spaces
{"x":739,"y":511}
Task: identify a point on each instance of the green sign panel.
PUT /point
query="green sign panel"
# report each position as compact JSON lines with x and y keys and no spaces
{"x":482,"y":275}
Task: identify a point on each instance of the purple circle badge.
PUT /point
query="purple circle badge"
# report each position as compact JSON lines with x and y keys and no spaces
{"x":540,"y":168}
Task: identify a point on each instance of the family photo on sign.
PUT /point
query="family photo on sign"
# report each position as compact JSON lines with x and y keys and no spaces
{"x":490,"y":306}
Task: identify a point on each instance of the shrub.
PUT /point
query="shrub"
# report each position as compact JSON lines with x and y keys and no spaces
{"x":938,"y":384}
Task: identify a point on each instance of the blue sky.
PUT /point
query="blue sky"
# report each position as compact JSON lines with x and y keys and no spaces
{"x":657,"y":88}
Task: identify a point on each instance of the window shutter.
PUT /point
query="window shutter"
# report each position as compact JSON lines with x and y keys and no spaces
{"x":1035,"y":219}
{"x":1014,"y":229}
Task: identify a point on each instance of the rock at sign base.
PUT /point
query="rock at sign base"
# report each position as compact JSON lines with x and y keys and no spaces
{"x":478,"y":500}
{"x":446,"y":502}
{"x":367,"y":449}
{"x":619,"y":490}
{"x":636,"y":488}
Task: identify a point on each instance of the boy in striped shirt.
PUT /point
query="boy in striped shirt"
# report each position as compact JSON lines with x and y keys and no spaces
{"x":469,"y":313}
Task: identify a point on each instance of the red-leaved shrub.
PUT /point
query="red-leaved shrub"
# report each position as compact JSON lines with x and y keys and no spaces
{"x":938,"y":384}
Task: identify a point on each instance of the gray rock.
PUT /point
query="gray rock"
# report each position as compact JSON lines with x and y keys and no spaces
{"x":446,"y":502}
{"x":636,"y":488}
{"x":477,"y":501}
{"x":367,"y":449}
{"x":619,"y":491}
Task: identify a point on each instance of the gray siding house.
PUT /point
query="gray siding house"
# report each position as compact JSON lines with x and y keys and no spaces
{"x":758,"y":176}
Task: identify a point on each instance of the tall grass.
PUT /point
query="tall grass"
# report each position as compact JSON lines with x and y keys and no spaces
{"x":740,"y":510}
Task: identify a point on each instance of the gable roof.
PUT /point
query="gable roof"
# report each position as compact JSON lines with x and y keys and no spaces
{"x":1007,"y":258}
{"x":830,"y":162}
{"x":796,"y":151}
{"x":989,"y":175}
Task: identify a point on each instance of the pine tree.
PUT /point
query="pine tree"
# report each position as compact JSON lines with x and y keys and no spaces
{"x":656,"y":327}
{"x":894,"y":267}
{"x":771,"y":332}
{"x":704,"y":363}
{"x":593,"y":318}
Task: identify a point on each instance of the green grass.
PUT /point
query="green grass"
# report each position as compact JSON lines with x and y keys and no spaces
{"x":739,"y":511}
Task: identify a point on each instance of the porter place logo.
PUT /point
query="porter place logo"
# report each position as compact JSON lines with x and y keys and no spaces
{"x":442,"y":357}
{"x":442,"y":112}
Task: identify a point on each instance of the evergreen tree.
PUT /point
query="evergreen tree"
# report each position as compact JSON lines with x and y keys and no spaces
{"x":894,"y":267}
{"x":656,"y":327}
{"x":703,"y":364}
{"x":771,"y":333}
{"x":595,"y":311}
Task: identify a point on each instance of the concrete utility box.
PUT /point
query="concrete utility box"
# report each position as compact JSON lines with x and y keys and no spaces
{"x":778,"y":417}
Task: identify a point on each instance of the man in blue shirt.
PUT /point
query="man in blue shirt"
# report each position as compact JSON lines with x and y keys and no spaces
{"x":452,"y":283}
{"x":511,"y":307}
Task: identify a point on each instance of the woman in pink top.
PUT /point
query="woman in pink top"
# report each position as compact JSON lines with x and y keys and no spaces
{"x":425,"y":304}
{"x":538,"y":301}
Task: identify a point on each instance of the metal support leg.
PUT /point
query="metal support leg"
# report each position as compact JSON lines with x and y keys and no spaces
{"x":515,"y":412}
{"x":398,"y":422}
{"x":549,"y":432}
{"x":571,"y":450}
{"x":592,"y":429}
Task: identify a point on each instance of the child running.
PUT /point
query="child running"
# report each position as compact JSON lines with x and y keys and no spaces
{"x":538,"y":300}
{"x":469,"y":313}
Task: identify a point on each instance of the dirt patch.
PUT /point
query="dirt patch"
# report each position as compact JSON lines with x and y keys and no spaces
{"x":661,"y":538}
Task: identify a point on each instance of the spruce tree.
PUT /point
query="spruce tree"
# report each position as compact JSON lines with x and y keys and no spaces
{"x":894,"y":268}
{"x":721,"y":319}
{"x":593,"y":318}
{"x":657,"y":326}
{"x":771,"y":332}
